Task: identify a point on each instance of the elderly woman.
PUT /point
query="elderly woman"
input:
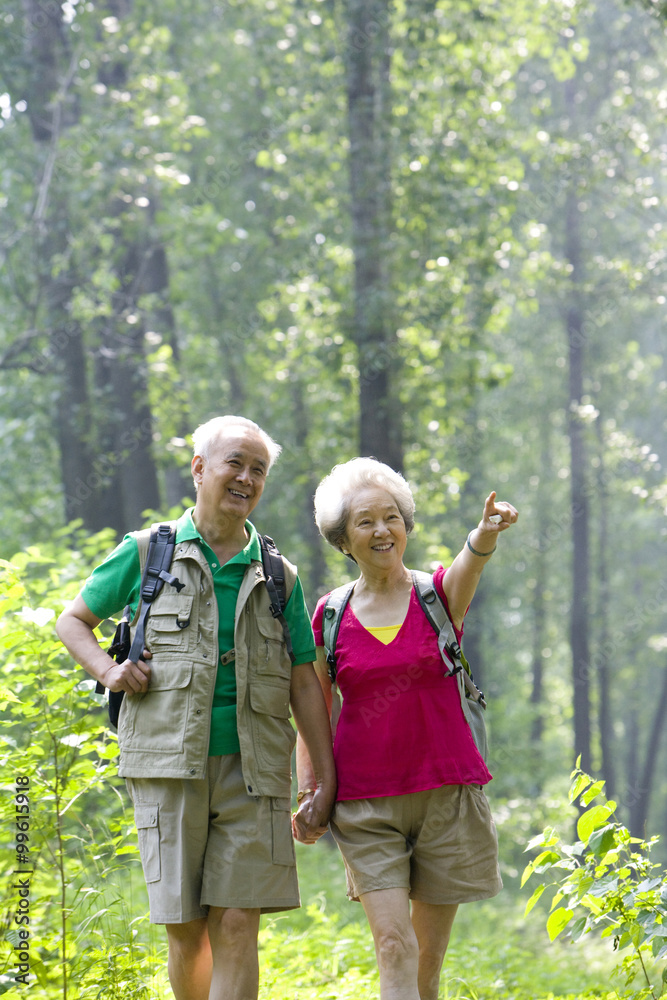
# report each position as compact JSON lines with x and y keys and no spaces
{"x":411,"y":818}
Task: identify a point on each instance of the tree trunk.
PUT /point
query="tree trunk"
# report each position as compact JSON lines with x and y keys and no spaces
{"x":46,"y":48}
{"x":539,"y":621}
{"x":130,"y":411}
{"x":539,"y":603}
{"x":318,"y":574}
{"x":108,"y":472}
{"x":369,"y":105}
{"x":579,"y":618}
{"x":605,"y":719}
{"x":48,"y":96}
{"x":478,"y":625}
{"x":234,"y":360}
{"x":641,"y":800}
{"x":72,"y":410}
{"x":177,"y":477}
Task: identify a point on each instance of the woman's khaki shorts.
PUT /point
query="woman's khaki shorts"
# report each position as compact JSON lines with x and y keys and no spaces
{"x":440,"y":844}
{"x":208,"y":843}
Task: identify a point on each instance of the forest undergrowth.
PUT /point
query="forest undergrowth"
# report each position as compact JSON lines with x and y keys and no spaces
{"x":74,"y":903}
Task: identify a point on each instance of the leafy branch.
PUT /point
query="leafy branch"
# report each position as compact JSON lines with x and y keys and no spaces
{"x":604,"y":881}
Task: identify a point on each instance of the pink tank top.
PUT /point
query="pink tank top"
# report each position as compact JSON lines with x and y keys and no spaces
{"x":401,"y":727}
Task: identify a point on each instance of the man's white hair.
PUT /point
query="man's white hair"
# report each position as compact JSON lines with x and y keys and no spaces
{"x":336,"y":491}
{"x":208,"y":434}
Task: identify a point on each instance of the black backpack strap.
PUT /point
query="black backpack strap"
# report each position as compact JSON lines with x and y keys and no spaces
{"x":274,"y":573}
{"x":156,"y":574}
{"x":448,"y":644}
{"x":332,"y":616}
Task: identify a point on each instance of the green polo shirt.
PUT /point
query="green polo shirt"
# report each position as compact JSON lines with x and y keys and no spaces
{"x":117,"y":582}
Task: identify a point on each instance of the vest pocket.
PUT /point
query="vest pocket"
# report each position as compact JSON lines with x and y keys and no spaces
{"x":146,"y":817}
{"x":168,"y":626}
{"x":155,"y":722}
{"x":271,"y":656}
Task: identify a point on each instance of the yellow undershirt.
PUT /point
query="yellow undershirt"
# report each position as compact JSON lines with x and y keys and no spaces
{"x":385,"y":633}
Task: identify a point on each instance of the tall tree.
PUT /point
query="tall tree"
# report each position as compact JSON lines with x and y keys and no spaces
{"x":368,"y":63}
{"x":579,"y":506}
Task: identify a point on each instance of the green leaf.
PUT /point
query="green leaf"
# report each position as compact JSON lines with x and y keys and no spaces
{"x":539,"y":864}
{"x":546,"y":859}
{"x":592,"y":792}
{"x":581,"y":782}
{"x":578,"y":928}
{"x":592,"y":820}
{"x":648,"y":884}
{"x":534,"y":898}
{"x":605,"y":885}
{"x":557,"y":921}
{"x":527,"y":872}
{"x":601,"y":841}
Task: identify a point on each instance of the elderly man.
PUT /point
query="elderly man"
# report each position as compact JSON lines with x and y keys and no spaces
{"x":204,"y":732}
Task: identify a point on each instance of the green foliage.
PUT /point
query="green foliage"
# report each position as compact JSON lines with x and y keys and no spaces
{"x":71,"y":833}
{"x":610,"y":885}
{"x":218,"y":133}
{"x":89,"y":934}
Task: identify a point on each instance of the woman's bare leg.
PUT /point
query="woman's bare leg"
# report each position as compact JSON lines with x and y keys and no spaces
{"x":388,"y":913}
{"x":432,"y":925}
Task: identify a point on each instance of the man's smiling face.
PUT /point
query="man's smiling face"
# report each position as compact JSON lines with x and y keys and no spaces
{"x":230,"y":481}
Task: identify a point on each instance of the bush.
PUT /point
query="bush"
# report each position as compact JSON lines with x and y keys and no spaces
{"x":71,"y":834}
{"x":605,"y":881}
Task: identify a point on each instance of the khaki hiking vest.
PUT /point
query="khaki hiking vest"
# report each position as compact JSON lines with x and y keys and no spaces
{"x":164,"y":733}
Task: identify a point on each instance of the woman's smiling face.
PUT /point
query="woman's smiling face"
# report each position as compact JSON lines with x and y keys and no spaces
{"x":375,"y":534}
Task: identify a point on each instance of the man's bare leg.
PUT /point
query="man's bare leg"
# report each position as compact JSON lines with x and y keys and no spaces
{"x":190,"y":960}
{"x":233,"y":936}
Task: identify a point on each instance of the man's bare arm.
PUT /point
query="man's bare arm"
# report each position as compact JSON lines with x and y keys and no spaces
{"x":75,"y":629}
{"x":312,"y":721}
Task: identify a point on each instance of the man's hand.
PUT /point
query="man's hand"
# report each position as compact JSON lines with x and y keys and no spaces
{"x":311,"y":819}
{"x":130,"y":677}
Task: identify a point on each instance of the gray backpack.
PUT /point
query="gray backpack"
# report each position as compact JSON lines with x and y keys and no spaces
{"x":472,"y":699}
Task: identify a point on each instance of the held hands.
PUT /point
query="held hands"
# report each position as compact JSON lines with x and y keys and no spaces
{"x":130,"y":677}
{"x":311,"y":819}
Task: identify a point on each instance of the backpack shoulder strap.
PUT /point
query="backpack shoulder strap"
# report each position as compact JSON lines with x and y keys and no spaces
{"x":450,"y":650}
{"x":333,"y":613}
{"x":280,"y":579}
{"x":431,"y":603}
{"x":156,"y":551}
{"x":160,"y":553}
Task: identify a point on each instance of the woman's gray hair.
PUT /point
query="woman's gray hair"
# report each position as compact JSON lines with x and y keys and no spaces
{"x":336,"y":492}
{"x":208,"y":434}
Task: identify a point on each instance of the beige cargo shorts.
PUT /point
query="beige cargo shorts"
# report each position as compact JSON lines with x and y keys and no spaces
{"x":440,"y":844}
{"x":208,"y":843}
